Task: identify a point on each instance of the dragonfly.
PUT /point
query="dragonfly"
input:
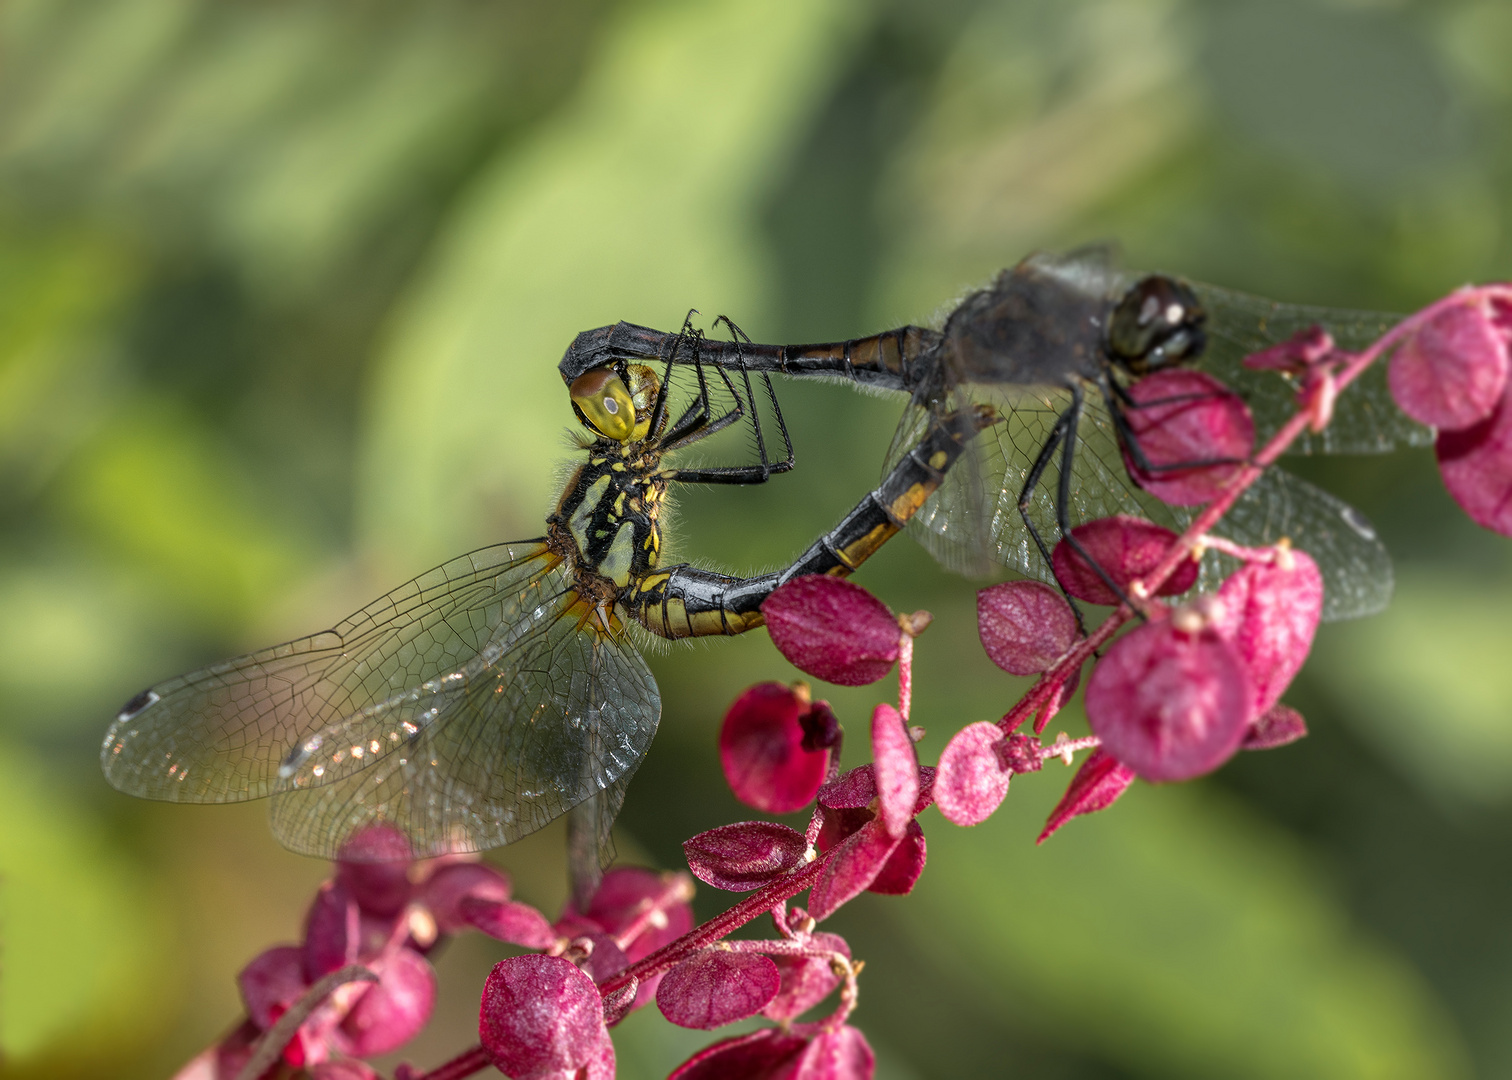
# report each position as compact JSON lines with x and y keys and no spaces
{"x":1052,"y":345}
{"x":503,"y":689}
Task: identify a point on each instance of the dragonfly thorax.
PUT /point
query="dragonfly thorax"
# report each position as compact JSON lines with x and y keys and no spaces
{"x":608,"y":521}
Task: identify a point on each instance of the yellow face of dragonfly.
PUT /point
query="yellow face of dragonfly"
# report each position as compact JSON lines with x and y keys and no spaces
{"x":612,"y":409}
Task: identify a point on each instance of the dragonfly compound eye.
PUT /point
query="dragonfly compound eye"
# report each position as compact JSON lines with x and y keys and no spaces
{"x":1157,"y":323}
{"x":605,"y":403}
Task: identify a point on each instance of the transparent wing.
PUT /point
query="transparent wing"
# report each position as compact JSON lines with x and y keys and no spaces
{"x":562,"y":713}
{"x":1366,"y":420}
{"x":975,"y":511}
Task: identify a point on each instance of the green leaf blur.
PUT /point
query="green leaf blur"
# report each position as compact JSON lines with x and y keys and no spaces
{"x":282,"y":292}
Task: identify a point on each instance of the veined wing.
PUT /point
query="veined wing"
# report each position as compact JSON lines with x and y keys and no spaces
{"x":562,"y":715}
{"x":1366,"y":419}
{"x":221,"y":734}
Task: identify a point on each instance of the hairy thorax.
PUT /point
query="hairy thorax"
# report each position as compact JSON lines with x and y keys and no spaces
{"x":607,"y":522}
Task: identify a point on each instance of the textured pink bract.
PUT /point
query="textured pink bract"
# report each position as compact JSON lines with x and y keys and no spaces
{"x":1268,"y":614}
{"x":1453,"y":370}
{"x":1169,"y":704}
{"x":895,"y":767}
{"x":1178,"y":416}
{"x":393,"y":1010}
{"x":1126,"y":548}
{"x":374,"y":867}
{"x":333,"y":918}
{"x":856,"y":862}
{"x":1296,"y":354}
{"x":768,"y":1054}
{"x":1098,"y":783}
{"x":1476,"y":464}
{"x":837,"y":1055}
{"x":270,"y":983}
{"x":761,"y":750}
{"x":1277,"y":726}
{"x":971,"y":779}
{"x":832,"y":629}
{"x":606,"y":960}
{"x":806,"y":980}
{"x":746,"y":855}
{"x":1025,"y":626}
{"x":715,"y":987}
{"x":540,"y":1013}
{"x":904,"y":866}
{"x":508,"y":920}
{"x":444,"y":891}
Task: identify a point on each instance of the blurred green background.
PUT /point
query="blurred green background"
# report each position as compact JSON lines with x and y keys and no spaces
{"x":282,"y":290}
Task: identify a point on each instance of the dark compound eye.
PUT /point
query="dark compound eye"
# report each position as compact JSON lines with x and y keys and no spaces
{"x":1157,"y":323}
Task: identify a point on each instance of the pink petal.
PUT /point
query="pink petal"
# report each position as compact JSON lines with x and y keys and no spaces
{"x":746,"y":855}
{"x":972,"y":780}
{"x":1126,"y":548}
{"x":806,"y":980}
{"x":1452,"y":371}
{"x":1169,"y":704}
{"x":606,"y":960}
{"x":837,"y":1055}
{"x":768,"y":1054}
{"x":1099,"y":782}
{"x":444,"y":891}
{"x":508,"y":920}
{"x":339,"y":932}
{"x":395,"y":1009}
{"x":1180,"y":416}
{"x":715,"y":987}
{"x":540,"y":1013}
{"x":1279,"y":725}
{"x":856,"y":862}
{"x":273,"y":980}
{"x":896,"y":767}
{"x":903,"y":866}
{"x":1025,"y":626}
{"x":1296,"y":354}
{"x":1476,"y":464}
{"x":832,"y":629}
{"x":374,"y":867}
{"x":853,"y":789}
{"x":1268,"y":614}
{"x":761,"y":748}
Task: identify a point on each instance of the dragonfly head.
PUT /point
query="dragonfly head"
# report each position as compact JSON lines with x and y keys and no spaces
{"x":616,"y":401}
{"x":1157,"y":324}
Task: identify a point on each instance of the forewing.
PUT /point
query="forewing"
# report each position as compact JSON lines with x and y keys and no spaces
{"x":563,"y":713}
{"x":1366,"y":420}
{"x":1356,"y":568}
{"x":976,"y":508}
{"x":221,"y":734}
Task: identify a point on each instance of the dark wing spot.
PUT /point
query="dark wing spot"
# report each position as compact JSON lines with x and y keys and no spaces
{"x":137,"y":704}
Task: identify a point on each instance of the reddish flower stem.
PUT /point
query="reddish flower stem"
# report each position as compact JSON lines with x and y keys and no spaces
{"x":464,"y":1064}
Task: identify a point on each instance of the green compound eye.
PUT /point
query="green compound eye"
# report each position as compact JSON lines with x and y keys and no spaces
{"x":605,"y":402}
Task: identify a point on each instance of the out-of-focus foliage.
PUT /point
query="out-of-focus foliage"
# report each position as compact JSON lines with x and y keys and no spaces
{"x":282,"y":291}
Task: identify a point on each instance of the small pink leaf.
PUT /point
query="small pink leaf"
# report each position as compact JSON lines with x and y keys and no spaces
{"x":1126,"y":548}
{"x":1182,"y":416}
{"x":606,"y":959}
{"x":1279,"y":725}
{"x":1169,"y":703}
{"x":903,"y":866}
{"x":540,"y":1013}
{"x":1025,"y":626}
{"x":1268,"y":614}
{"x":761,"y":748}
{"x":768,"y":1054}
{"x":896,"y":768}
{"x":1476,"y":464}
{"x":394,"y":1010}
{"x":832,"y":629}
{"x":837,"y":1055}
{"x":1101,"y":779}
{"x":444,"y":891}
{"x":1453,"y":370}
{"x":268,"y":984}
{"x":508,"y":920}
{"x":854,"y":789}
{"x":972,"y":779}
{"x":1303,"y":350}
{"x":746,"y":855}
{"x":715,"y":987}
{"x":374,"y":866}
{"x":806,"y":980}
{"x":851,"y":869}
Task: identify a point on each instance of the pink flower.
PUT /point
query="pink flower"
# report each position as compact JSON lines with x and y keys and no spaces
{"x":1127,"y":548}
{"x":832,"y":629}
{"x":774,"y":746}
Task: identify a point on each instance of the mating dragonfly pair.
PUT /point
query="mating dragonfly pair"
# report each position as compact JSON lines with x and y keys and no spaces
{"x":503,"y":689}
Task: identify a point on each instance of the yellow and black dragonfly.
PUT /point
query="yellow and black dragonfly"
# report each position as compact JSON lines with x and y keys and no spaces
{"x":502,"y":689}
{"x":1052,"y":345}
